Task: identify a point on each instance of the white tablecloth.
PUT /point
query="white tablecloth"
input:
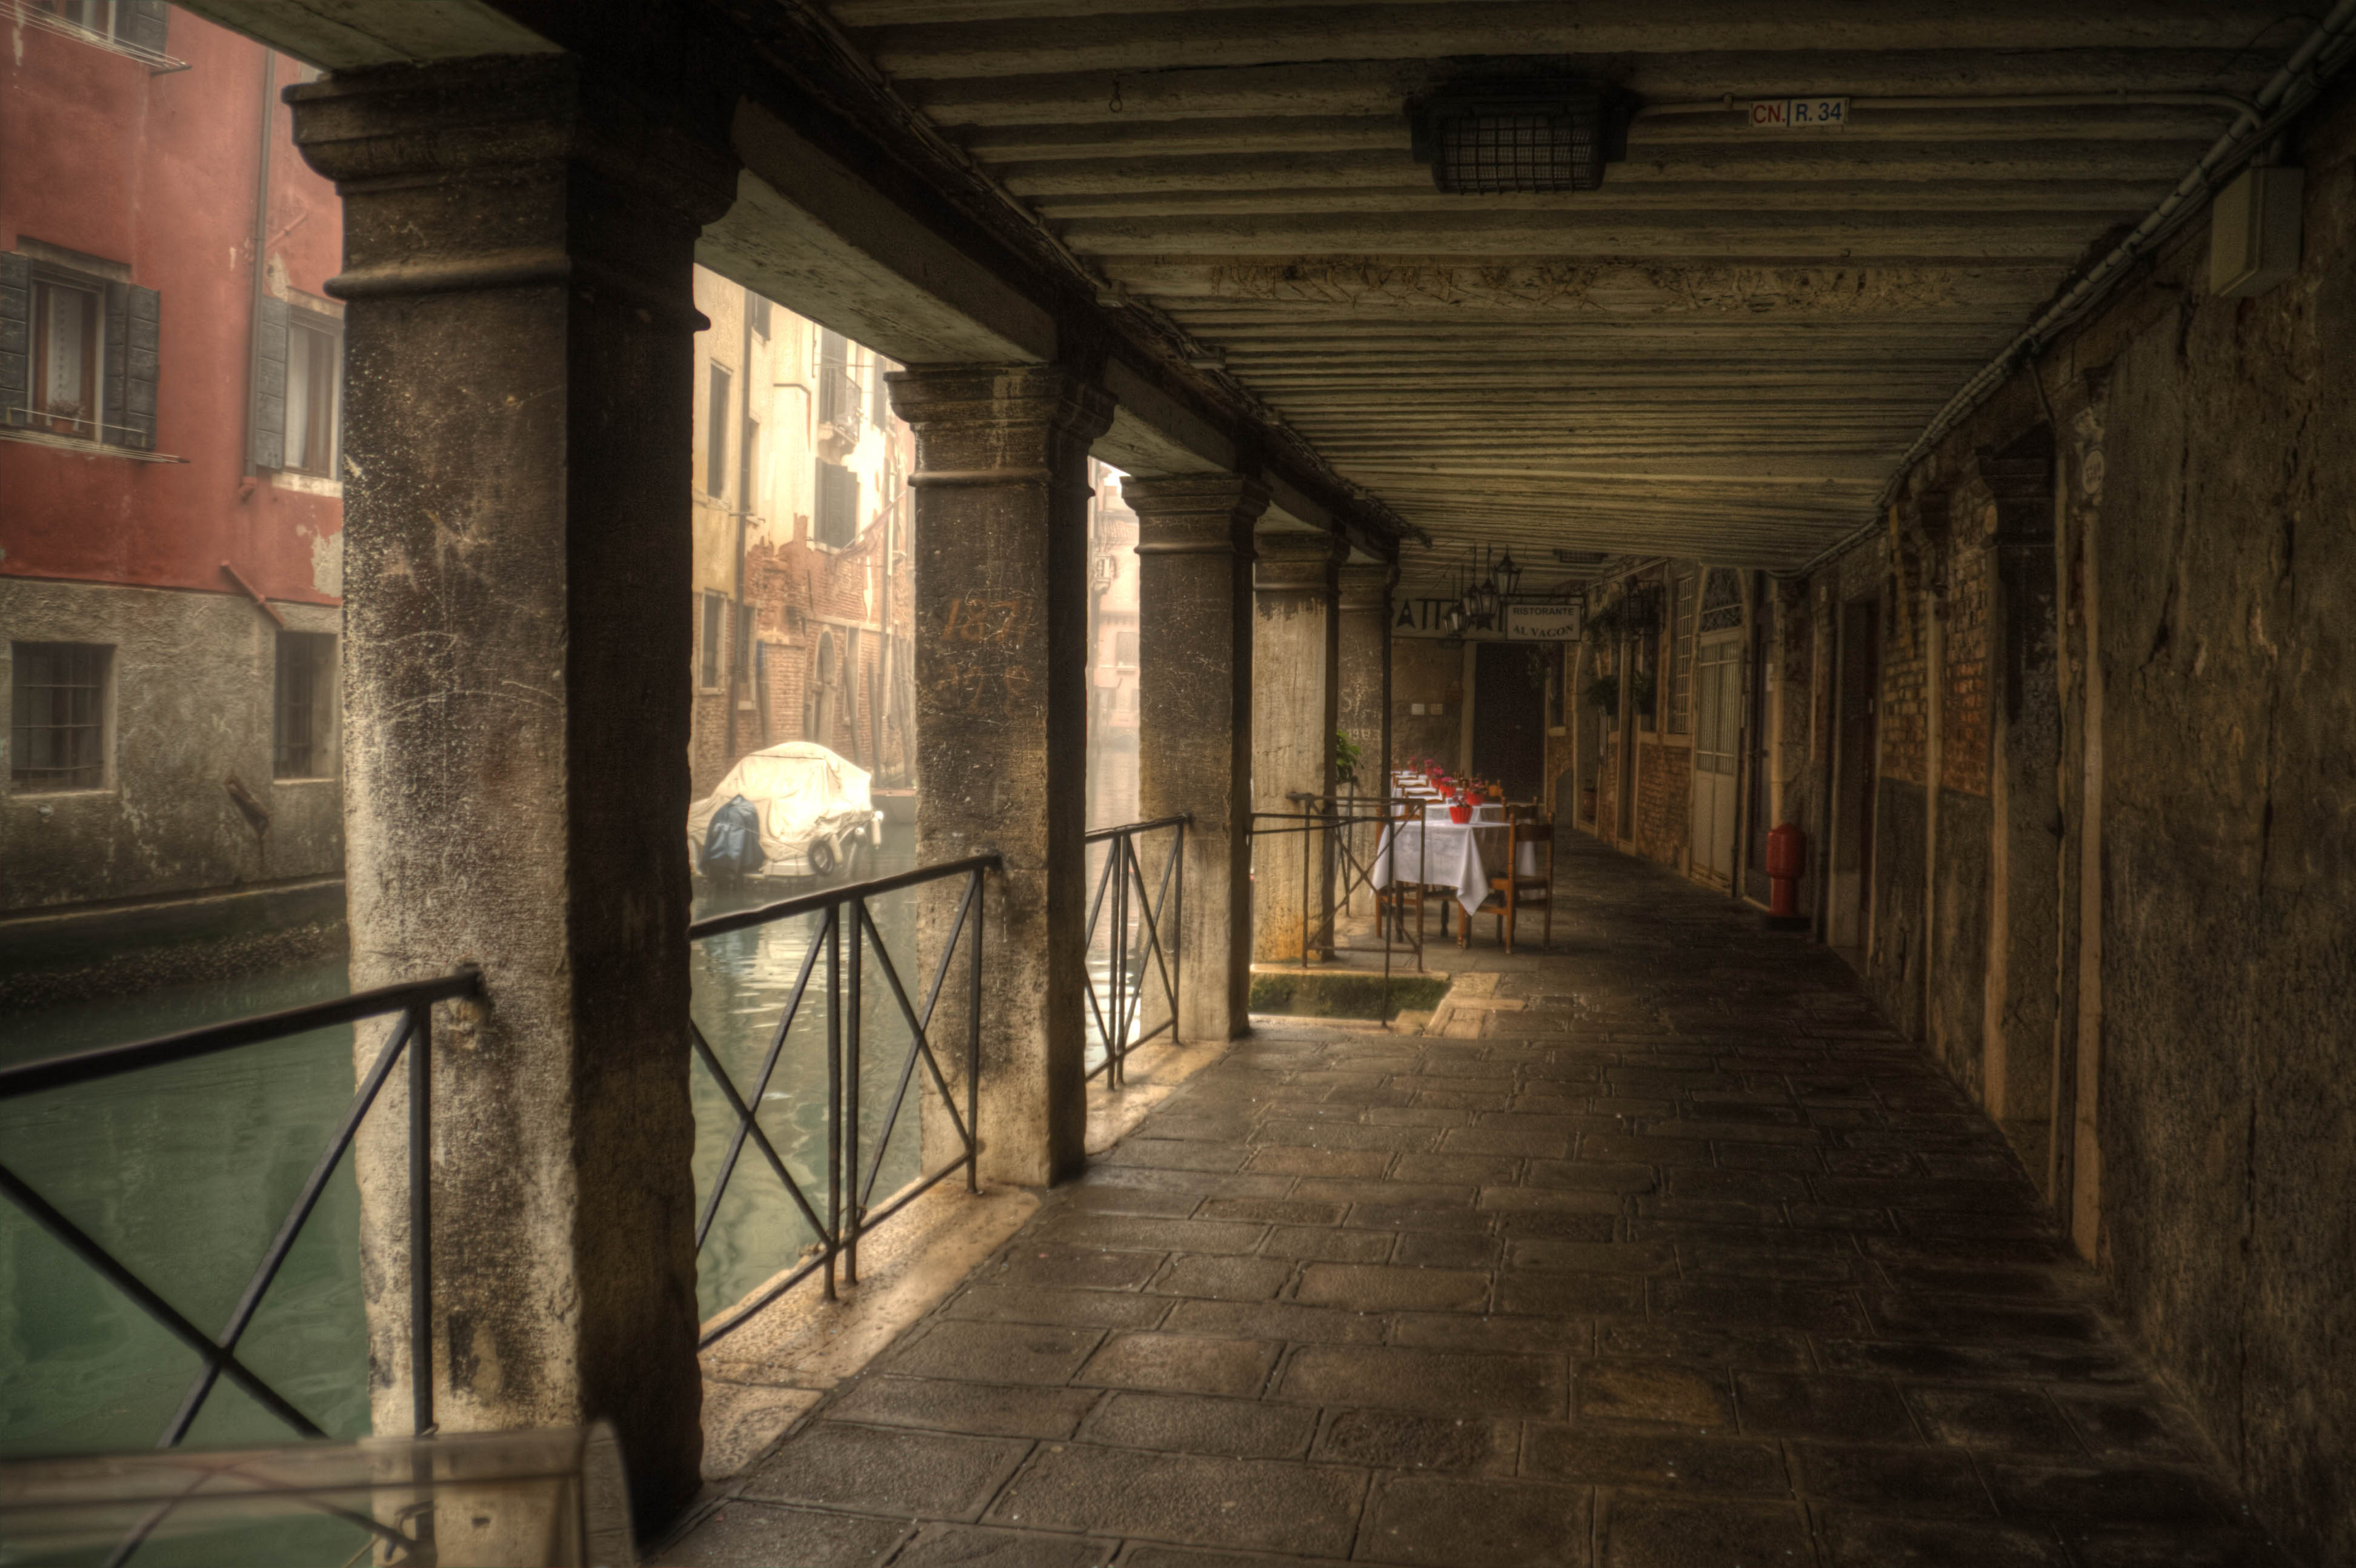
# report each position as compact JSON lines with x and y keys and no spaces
{"x":1443,"y":854}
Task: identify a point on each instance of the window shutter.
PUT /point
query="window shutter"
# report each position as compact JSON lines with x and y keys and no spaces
{"x":15,"y":338}
{"x":111,"y":367}
{"x":146,"y":23}
{"x":837,"y":522}
{"x":137,"y":418}
{"x":266,"y":417}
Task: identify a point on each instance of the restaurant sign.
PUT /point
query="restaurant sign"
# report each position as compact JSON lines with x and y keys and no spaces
{"x":1534,"y":621}
{"x":1546,"y":621}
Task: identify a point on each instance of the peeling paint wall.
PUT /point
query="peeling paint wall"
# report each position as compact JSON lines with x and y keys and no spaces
{"x":190,"y":698}
{"x":815,"y":666}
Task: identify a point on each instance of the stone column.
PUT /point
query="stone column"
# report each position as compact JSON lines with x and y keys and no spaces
{"x":1195,"y":724}
{"x":1295,"y":633}
{"x":519,"y":245}
{"x":1362,"y":651}
{"x":1001,"y":548}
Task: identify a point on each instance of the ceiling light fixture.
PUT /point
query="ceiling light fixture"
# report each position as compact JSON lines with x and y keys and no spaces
{"x":1532,"y":136}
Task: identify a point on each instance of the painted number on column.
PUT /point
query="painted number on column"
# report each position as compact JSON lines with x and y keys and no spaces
{"x":976,"y":649}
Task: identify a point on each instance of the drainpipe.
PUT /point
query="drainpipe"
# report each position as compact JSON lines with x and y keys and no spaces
{"x":880,"y":705}
{"x":740,"y":627}
{"x":260,"y":245}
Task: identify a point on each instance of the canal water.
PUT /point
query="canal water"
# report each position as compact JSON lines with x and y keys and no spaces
{"x":186,"y":1172}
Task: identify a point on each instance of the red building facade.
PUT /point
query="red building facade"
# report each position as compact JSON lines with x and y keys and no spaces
{"x":170,"y":503}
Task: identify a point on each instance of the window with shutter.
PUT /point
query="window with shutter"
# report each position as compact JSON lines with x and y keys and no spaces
{"x":266,"y":413}
{"x":78,"y":348}
{"x":839,"y":394}
{"x":314,"y":374}
{"x":836,"y":521}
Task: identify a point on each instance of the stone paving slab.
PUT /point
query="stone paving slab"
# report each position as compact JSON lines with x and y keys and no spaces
{"x":1661,"y":1251}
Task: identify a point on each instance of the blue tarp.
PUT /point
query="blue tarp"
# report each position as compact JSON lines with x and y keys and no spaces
{"x":732,"y":845}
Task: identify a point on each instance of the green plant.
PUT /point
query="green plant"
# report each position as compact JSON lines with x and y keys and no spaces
{"x":1603,"y":692}
{"x":1346,"y":758}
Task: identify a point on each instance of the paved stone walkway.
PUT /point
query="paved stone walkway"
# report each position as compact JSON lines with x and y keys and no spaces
{"x":1682,"y":1260}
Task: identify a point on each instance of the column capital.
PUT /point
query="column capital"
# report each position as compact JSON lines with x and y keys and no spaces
{"x":479,"y":139}
{"x":1366,"y":585}
{"x":1298,"y":561}
{"x":1194,"y":514}
{"x":996,"y":424}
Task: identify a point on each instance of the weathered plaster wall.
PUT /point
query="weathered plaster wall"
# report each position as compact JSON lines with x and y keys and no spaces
{"x":191,"y":702}
{"x":2225,"y":567}
{"x":1958,"y":935}
{"x":155,"y":173}
{"x":2197,"y":680}
{"x":1427,"y":673}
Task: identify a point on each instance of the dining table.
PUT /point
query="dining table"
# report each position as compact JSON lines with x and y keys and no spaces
{"x":1435,"y":851}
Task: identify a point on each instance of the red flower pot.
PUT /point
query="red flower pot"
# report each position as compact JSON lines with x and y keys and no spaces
{"x":1460,"y":814}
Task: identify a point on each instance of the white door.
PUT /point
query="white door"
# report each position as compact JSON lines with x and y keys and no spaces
{"x":1718,"y":739}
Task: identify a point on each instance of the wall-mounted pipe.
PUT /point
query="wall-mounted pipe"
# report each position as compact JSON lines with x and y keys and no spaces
{"x":1732,"y":102}
{"x":2283,"y":99}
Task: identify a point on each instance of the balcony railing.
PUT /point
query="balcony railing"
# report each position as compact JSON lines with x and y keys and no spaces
{"x":842,"y":400}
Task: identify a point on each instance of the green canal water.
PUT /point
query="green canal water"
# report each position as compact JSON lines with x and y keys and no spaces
{"x":186,"y":1172}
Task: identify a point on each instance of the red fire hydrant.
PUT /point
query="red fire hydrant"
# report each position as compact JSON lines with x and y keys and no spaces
{"x":1787,"y":853}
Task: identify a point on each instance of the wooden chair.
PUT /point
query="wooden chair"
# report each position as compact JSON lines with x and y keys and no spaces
{"x":1508,"y":893}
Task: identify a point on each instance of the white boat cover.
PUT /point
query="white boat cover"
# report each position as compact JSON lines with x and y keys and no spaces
{"x":803,"y":793}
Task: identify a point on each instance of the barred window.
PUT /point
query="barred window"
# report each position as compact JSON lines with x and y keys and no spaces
{"x":1681,"y":649}
{"x":57,"y":717}
{"x":306,"y":707}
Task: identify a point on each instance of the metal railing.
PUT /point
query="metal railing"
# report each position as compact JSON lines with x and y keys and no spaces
{"x":844,"y":909}
{"x":1117,"y":1014}
{"x":842,"y":400}
{"x":412,"y":1038}
{"x":1326,"y":827}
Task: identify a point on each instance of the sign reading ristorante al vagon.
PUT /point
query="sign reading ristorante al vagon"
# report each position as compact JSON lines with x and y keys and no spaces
{"x":1522,"y":621}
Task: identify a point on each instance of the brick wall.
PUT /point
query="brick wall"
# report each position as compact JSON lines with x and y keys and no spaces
{"x":1963,"y":699}
{"x":1905,"y":719}
{"x":1664,"y":802}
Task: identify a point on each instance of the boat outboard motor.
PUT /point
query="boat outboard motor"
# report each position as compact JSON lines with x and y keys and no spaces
{"x":732,"y":844}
